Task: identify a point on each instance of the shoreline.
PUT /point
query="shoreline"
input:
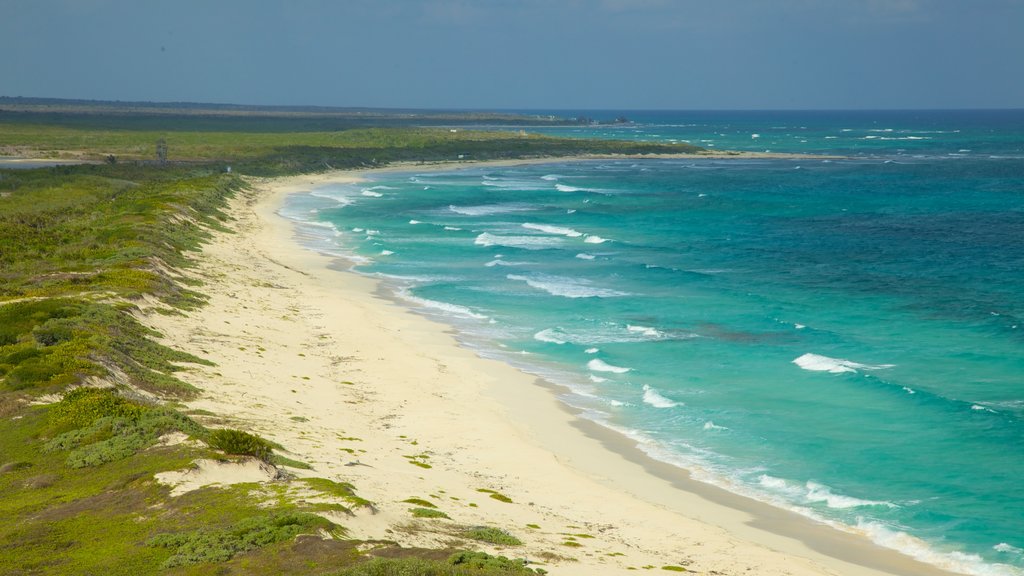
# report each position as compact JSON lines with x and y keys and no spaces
{"x":479,"y":423}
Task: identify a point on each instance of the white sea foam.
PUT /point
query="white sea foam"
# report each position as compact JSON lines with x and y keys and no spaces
{"x":550,"y":177}
{"x":370,"y":193}
{"x":821,"y":493}
{"x":592,"y":350}
{"x":490,"y":209}
{"x":450,"y":309}
{"x":1008,"y":549}
{"x":646,"y":331}
{"x":386,"y":252}
{"x":584,"y":256}
{"x":654,"y":398}
{"x":319,"y":224}
{"x":598,"y":365}
{"x":452,"y":228}
{"x":414,"y":222}
{"x":570,"y":211}
{"x":895,"y":539}
{"x":818,"y":363}
{"x":564,"y":188}
{"x":709,"y":425}
{"x":566,"y":287}
{"x":524,"y":242}
{"x":548,"y":335}
{"x":340,"y":198}
{"x":559,"y":230}
{"x":500,"y":262}
{"x":359,"y":229}
{"x":799,"y":326}
{"x":597,"y":379}
{"x":594,"y":239}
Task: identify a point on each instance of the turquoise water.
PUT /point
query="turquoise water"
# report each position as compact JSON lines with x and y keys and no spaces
{"x":843,"y":338}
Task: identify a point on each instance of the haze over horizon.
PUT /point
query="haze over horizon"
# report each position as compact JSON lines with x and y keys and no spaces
{"x":521,"y":54}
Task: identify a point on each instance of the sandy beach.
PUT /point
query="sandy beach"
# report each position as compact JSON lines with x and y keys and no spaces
{"x":316,"y":359}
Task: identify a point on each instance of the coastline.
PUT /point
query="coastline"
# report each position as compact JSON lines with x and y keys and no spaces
{"x":324,"y":361}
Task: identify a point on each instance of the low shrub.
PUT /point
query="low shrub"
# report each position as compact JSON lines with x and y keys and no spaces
{"x":231,"y":441}
{"x":492,"y":535}
{"x":206,"y":545}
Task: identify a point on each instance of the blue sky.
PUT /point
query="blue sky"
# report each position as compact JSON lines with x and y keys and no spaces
{"x":540,"y":54}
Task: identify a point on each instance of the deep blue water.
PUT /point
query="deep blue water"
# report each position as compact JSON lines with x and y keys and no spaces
{"x":841,"y":337}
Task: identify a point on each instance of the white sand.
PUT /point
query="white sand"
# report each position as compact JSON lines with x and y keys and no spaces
{"x":360,"y":388}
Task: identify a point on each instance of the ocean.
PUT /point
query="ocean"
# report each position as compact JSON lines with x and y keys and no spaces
{"x":840,"y":337}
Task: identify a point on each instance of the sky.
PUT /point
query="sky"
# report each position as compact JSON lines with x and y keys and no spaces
{"x":520,"y":54}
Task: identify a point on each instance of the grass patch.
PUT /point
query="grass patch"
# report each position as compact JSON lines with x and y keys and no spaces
{"x":278,"y":460}
{"x":420,"y":502}
{"x":208,"y":546}
{"x":496,"y":495}
{"x":96,"y":425}
{"x":458,"y":564}
{"x":340,"y":490}
{"x":492,"y":535}
{"x":672,"y":568}
{"x":428,"y":513}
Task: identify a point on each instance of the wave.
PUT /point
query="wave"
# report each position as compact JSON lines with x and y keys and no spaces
{"x":815,"y":493}
{"x":547,"y":229}
{"x":652,"y":333}
{"x":594,"y":239}
{"x":818,"y":363}
{"x":565,"y":188}
{"x":591,"y":351}
{"x":448,"y":309}
{"x":550,"y":177}
{"x":414,"y":222}
{"x":709,"y":425}
{"x":511,"y":184}
{"x":654,"y":398}
{"x":598,"y":365}
{"x":371,"y":193}
{"x":896,"y":539}
{"x":548,"y":335}
{"x":500,"y":262}
{"x":490,"y":209}
{"x":386,"y":252}
{"x":821,"y":493}
{"x":452,"y":228}
{"x":566,"y":287}
{"x":524,"y":242}
{"x":1008,"y":549}
{"x":342,"y":198}
{"x":584,"y":256}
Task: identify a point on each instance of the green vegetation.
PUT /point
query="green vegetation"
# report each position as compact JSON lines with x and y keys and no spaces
{"x":240,"y":443}
{"x":428,"y":513}
{"x":86,"y":249}
{"x":420,"y":502}
{"x":492,"y":535}
{"x":205,"y":545}
{"x":496,"y":495}
{"x":459,"y":564}
{"x":95,"y":426}
{"x":671,"y":568}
